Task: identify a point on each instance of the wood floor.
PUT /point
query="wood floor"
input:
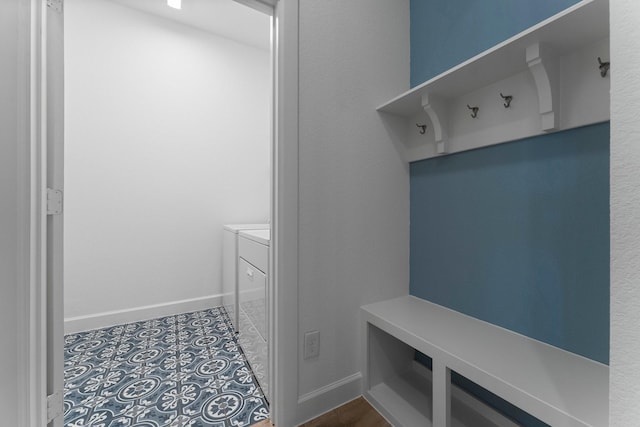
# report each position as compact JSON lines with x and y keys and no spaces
{"x":357,"y":413}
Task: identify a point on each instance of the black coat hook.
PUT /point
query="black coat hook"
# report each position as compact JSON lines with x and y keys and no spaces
{"x":507,"y":100}
{"x":604,"y":67}
{"x":423,"y":128}
{"x":474,"y":111}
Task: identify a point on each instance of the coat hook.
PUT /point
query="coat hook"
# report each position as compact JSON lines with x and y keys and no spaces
{"x":423,"y":128}
{"x":507,"y":100}
{"x":474,"y":111}
{"x":604,"y":67}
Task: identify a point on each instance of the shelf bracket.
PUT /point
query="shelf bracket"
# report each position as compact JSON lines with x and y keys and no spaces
{"x":541,"y":66}
{"x":434,"y":107}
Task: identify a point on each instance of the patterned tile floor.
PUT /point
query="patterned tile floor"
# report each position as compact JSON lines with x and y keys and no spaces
{"x":177,"y":371}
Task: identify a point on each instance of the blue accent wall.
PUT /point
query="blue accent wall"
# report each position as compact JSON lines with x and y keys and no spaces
{"x":517,"y":234}
{"x":447,"y":32}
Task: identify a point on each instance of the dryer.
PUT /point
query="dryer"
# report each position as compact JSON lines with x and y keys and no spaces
{"x":253,"y":297}
{"x":230,"y":268}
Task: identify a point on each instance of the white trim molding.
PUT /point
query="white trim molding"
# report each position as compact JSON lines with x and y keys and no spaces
{"x":264,"y":6}
{"x":329,"y":397}
{"x":32,"y":353}
{"x":106,"y":319}
{"x":284,"y":232}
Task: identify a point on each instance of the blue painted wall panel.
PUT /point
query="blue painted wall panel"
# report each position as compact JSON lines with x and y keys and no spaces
{"x":518,"y":235}
{"x":447,"y":32}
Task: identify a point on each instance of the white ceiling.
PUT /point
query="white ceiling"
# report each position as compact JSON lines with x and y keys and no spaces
{"x":223,"y":17}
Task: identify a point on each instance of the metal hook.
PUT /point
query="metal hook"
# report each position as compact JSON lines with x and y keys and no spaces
{"x":507,"y":100}
{"x":423,"y":128}
{"x":604,"y":67}
{"x":474,"y":110}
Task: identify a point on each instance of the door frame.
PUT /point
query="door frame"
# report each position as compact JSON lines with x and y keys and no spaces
{"x":39,"y":97}
{"x":32,"y":353}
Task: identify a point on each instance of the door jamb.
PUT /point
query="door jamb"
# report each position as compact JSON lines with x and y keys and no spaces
{"x":284,"y":260}
{"x":32,"y":166}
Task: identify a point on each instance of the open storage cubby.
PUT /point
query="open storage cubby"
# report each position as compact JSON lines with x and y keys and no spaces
{"x":403,"y":396}
{"x":557,"y":387}
{"x":553,"y":76}
{"x":401,"y":388}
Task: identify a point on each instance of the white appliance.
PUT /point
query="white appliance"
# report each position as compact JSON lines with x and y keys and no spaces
{"x":253,"y":295}
{"x":230,"y":268}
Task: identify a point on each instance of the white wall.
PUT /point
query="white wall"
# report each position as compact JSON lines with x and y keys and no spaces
{"x":167,"y":139}
{"x":354,"y":186}
{"x":624,"y":385}
{"x":8,"y":210}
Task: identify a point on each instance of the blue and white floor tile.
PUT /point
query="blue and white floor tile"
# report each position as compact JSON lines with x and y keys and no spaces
{"x":176,"y":371}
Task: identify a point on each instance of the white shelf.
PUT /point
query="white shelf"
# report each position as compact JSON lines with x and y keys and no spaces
{"x":556,"y":60}
{"x":556,"y":386}
{"x":405,"y":400}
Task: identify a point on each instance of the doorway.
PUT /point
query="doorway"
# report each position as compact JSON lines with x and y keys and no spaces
{"x":155,"y":191}
{"x":42,"y":308}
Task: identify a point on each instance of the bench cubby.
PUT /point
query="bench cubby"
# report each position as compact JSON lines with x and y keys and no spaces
{"x":558,"y":387}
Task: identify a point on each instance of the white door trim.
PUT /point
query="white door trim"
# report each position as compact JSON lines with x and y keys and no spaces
{"x":283,"y":357}
{"x":32,"y":360}
{"x":33,"y":172}
{"x":265,"y":6}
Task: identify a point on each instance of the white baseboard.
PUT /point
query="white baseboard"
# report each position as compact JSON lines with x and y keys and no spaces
{"x":111,"y":318}
{"x":324,"y":399}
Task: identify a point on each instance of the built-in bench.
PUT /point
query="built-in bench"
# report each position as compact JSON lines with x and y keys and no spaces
{"x":558,"y":387}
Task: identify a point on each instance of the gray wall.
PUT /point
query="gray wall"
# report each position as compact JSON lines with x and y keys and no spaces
{"x":624,"y":386}
{"x":354,"y":187}
{"x":8,"y":209}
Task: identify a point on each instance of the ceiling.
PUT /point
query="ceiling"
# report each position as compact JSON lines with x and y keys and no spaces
{"x":222,"y":17}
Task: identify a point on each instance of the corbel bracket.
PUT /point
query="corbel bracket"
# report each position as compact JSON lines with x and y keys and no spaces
{"x":434,"y":107}
{"x":542,"y":67}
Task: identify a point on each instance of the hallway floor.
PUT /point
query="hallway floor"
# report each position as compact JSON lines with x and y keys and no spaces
{"x":357,"y":413}
{"x":175,"y":371}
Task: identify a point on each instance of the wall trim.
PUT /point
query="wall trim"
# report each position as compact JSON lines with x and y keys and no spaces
{"x":105,"y":319}
{"x":31,"y":244}
{"x":329,"y":397}
{"x":264,"y":6}
{"x":283,"y":270}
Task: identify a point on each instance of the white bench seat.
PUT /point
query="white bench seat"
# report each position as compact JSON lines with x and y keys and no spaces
{"x":554,"y":385}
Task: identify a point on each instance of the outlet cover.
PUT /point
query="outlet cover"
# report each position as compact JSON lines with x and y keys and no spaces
{"x":311,"y":344}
